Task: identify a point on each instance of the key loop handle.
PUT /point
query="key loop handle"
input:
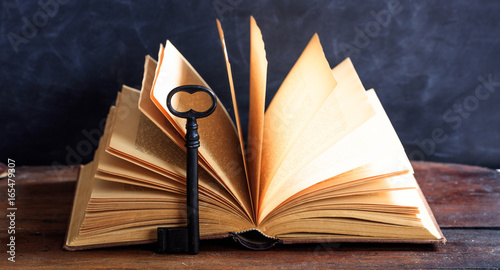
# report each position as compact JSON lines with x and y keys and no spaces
{"x":191,"y":89}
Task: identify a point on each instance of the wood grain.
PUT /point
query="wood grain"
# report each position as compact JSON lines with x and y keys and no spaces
{"x":464,"y":199}
{"x":460,"y":195}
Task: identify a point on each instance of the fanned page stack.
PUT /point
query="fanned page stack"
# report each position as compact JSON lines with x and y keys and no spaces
{"x":323,"y":163}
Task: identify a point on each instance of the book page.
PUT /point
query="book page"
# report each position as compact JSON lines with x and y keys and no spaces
{"x":82,"y":197}
{"x":258,"y":77}
{"x":235,"y":105}
{"x":219,"y":143}
{"x":113,"y":165}
{"x":149,"y":109}
{"x":342,"y":185}
{"x":137,"y":200}
{"x":84,"y":186}
{"x":112,"y":168}
{"x":384,"y":166}
{"x":389,"y":208}
{"x":135,"y":139}
{"x":134,"y":136}
{"x":298,"y":99}
{"x":345,"y":109}
{"x":233,"y":93}
{"x":370,"y":141}
{"x":120,"y":212}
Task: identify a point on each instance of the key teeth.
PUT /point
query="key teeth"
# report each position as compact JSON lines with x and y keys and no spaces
{"x":172,"y":240}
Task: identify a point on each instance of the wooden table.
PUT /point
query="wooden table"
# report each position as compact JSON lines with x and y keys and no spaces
{"x":464,"y":199}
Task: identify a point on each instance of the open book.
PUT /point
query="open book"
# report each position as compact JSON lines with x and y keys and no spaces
{"x":323,"y":163}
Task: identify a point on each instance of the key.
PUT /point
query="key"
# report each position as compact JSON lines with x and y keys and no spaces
{"x":176,"y":243}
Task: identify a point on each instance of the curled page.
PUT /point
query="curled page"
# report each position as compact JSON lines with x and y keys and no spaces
{"x":258,"y":76}
{"x":300,"y":96}
{"x":220,"y":146}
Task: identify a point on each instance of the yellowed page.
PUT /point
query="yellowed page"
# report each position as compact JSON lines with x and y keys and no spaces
{"x":333,"y":214}
{"x":84,"y":188}
{"x":233,"y":94}
{"x":220,"y":146}
{"x":115,"y":194}
{"x":368,"y":185}
{"x":111,"y":164}
{"x":135,"y":136}
{"x":123,"y":225}
{"x":112,"y":168}
{"x":300,"y":96}
{"x":136,"y":182}
{"x":376,"y":169}
{"x":206,"y":195}
{"x":345,"y":109}
{"x":113,"y":190}
{"x":82,"y":196}
{"x":136,"y":139}
{"x":404,"y":202}
{"x":148,"y":108}
{"x":374,"y":139}
{"x":119,"y":212}
{"x":370,"y":141}
{"x":258,"y":76}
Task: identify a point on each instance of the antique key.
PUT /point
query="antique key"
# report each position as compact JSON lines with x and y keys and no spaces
{"x":187,"y":239}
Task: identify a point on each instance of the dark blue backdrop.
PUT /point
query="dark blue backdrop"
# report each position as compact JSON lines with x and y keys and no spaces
{"x":434,"y":64}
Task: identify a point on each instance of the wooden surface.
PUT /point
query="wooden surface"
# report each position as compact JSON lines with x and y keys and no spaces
{"x":464,"y":199}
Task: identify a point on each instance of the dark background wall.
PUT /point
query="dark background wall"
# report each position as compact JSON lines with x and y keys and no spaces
{"x":434,"y":64}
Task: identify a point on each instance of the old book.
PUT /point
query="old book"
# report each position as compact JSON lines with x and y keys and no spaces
{"x":322,"y":164}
